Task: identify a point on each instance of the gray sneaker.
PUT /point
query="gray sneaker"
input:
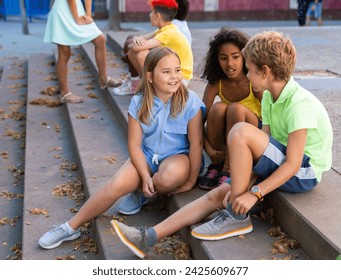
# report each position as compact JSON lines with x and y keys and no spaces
{"x":222,"y":226}
{"x":134,"y":238}
{"x":57,"y":236}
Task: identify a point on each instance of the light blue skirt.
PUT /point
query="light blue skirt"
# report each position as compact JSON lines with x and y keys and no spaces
{"x":62,"y":29}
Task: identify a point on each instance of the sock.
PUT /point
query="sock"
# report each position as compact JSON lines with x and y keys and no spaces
{"x":235,"y":216}
{"x":70,"y":229}
{"x":151,"y":237}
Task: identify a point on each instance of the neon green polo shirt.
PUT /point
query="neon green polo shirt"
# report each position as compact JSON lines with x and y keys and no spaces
{"x":297,"y":108}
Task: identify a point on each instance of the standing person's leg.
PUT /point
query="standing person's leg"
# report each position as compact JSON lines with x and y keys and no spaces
{"x":141,"y":241}
{"x":126,"y":180}
{"x":319,"y":14}
{"x":101,"y":61}
{"x":64,"y":54}
{"x":308,"y":14}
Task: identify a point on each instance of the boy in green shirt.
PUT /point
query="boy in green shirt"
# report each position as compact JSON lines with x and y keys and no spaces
{"x":290,"y":153}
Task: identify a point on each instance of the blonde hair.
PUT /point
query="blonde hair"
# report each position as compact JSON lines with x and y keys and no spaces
{"x":274,"y":50}
{"x":179,"y":98}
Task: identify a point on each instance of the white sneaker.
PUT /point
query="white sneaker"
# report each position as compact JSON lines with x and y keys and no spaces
{"x":57,"y":236}
{"x":128,"y":87}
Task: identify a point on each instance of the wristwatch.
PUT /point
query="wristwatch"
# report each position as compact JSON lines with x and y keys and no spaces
{"x":255,"y":190}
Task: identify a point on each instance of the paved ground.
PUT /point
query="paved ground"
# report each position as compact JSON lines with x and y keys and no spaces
{"x":13,"y":43}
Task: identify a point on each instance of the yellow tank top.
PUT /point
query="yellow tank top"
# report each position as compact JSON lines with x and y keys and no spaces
{"x":250,"y":101}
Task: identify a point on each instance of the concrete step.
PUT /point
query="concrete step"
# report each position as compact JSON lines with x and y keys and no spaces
{"x":305,"y":217}
{"x":13,"y":83}
{"x":50,"y":162}
{"x":259,"y":241}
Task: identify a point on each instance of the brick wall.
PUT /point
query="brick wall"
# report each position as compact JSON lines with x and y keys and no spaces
{"x":254,"y":5}
{"x":231,"y":5}
{"x":138,"y":10}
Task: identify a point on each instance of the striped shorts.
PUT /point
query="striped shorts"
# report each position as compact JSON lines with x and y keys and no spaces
{"x":273,"y":157}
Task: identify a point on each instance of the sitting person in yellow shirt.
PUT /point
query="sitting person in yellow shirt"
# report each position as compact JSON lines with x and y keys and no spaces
{"x":167,"y":34}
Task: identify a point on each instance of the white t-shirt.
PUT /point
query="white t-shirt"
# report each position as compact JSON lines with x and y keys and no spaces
{"x":183,"y":27}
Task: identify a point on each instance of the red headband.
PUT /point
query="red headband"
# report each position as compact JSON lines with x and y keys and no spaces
{"x":164,"y":3}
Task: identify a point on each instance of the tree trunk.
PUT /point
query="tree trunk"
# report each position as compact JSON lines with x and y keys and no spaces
{"x":114,"y":15}
{"x":23,"y":17}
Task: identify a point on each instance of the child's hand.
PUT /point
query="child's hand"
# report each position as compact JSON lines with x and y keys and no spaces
{"x":83,"y":20}
{"x":138,"y":40}
{"x":243,"y":203}
{"x":148,"y":187}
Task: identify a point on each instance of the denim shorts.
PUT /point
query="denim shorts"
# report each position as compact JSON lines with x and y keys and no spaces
{"x":317,"y":13}
{"x":155,"y":167}
{"x":273,"y":157}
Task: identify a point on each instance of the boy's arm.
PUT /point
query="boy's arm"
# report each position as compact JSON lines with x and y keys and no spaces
{"x":195,"y":137}
{"x":295,"y":152}
{"x":146,"y":45}
{"x":293,"y":162}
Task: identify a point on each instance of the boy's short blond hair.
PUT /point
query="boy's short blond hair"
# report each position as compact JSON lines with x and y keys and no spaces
{"x":274,"y":50}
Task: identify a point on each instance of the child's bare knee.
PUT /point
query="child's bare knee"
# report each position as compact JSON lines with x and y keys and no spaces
{"x":238,"y":132}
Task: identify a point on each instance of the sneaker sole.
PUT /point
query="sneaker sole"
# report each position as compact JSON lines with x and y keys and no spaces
{"x":224,"y":235}
{"x":207,"y":188}
{"x":72,"y":237}
{"x":126,"y":242}
{"x":132,"y":212}
{"x":123,"y":94}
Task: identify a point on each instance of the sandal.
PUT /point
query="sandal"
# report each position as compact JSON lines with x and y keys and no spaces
{"x":111,"y":83}
{"x":70,"y":98}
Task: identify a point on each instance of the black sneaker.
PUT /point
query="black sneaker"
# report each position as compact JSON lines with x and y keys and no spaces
{"x":211,"y":178}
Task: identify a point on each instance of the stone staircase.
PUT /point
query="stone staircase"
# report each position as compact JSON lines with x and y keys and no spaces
{"x":71,"y":150}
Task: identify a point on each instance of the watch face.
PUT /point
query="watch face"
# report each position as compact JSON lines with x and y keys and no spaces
{"x":255,"y":189}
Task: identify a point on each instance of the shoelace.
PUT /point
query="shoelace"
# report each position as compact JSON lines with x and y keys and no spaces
{"x":221,"y":216}
{"x":56,"y":229}
{"x":141,"y":230}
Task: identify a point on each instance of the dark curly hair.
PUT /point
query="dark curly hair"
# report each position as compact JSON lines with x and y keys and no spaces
{"x":212,"y":71}
{"x":183,"y":8}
